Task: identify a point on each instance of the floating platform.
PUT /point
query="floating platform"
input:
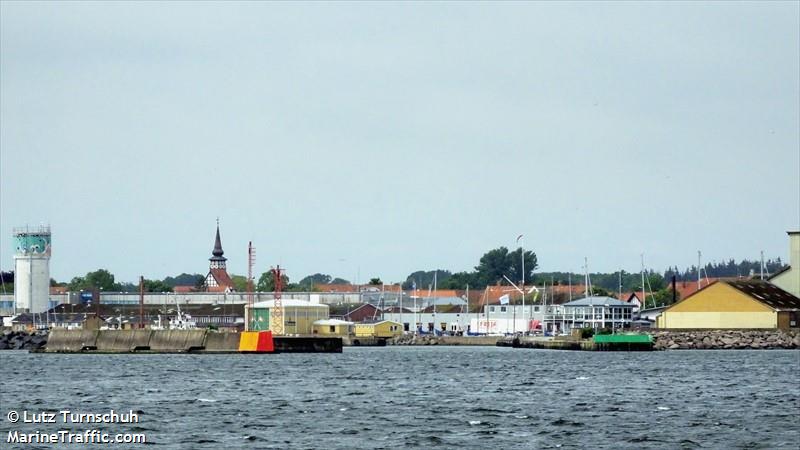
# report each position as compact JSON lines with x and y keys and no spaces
{"x":603,"y":342}
{"x":184,"y":341}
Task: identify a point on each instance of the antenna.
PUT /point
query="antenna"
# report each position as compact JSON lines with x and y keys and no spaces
{"x":251,"y":262}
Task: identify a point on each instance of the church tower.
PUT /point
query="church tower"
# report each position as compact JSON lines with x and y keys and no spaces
{"x":218,"y":279}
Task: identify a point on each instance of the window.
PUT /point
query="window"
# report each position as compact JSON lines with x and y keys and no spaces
{"x":502,"y":309}
{"x":333,"y":329}
{"x":405,"y":326}
{"x":491,"y":309}
{"x":535,"y":309}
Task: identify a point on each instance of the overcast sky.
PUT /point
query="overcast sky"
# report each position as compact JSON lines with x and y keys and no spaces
{"x":375,"y":139}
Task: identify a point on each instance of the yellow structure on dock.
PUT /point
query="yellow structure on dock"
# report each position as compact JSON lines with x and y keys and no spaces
{"x":383,"y":329}
{"x":332,"y":327}
{"x":739,"y":304}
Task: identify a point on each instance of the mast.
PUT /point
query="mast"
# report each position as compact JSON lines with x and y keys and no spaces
{"x":644,"y":293}
{"x":762,"y":264}
{"x":698,"y":269}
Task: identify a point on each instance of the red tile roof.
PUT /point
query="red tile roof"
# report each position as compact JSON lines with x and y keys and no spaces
{"x":223,"y":280}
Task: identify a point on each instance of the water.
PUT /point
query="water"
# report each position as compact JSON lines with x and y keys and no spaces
{"x":437,"y":397}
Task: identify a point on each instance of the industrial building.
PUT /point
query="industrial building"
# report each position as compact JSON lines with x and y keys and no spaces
{"x":738,"y":304}
{"x":298,"y":316}
{"x":589,"y":312}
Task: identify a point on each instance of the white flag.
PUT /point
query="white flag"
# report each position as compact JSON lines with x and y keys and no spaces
{"x":504,"y":299}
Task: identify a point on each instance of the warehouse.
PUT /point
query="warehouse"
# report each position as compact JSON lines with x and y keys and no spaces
{"x":298,"y":316}
{"x":739,"y":304}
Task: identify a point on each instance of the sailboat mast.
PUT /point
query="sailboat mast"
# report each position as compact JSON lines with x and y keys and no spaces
{"x":644,"y":292}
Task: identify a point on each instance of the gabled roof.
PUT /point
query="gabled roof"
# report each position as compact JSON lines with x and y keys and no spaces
{"x":761,"y":291}
{"x":222,"y":278}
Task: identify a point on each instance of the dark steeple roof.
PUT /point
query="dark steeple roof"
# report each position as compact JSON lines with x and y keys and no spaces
{"x":217,"y":252}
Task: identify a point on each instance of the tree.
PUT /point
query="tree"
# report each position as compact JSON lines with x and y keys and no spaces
{"x":239,"y":283}
{"x":184,"y":279}
{"x":515,"y":263}
{"x":339,"y":281}
{"x":156,"y":286}
{"x":375,"y":282}
{"x":313,"y":280}
{"x":266,"y":282}
{"x":424,"y":278}
{"x":100,"y":279}
{"x":493,"y":265}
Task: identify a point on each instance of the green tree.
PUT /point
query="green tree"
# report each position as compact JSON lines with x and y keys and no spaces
{"x":515,"y":265}
{"x":184,"y":279}
{"x":100,"y":279}
{"x":493,"y":265}
{"x":425,"y":278}
{"x":239,"y":283}
{"x":266,"y":282}
{"x":375,"y":282}
{"x":339,"y":281}
{"x":313,"y":280}
{"x":156,"y":286}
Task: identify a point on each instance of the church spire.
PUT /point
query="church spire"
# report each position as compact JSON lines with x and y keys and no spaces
{"x":217,"y":260}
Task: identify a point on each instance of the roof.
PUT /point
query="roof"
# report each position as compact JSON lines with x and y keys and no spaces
{"x":784,"y":269}
{"x":332,"y":322}
{"x":222,"y":277}
{"x":438,"y":293}
{"x":217,"y":252}
{"x":290,"y":302}
{"x":766,"y":293}
{"x":184,"y":289}
{"x":598,"y":301}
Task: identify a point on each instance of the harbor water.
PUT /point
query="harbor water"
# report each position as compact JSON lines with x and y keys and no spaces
{"x":432,"y":397}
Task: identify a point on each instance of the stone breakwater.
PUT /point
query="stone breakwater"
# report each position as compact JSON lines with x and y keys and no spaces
{"x":21,"y":340}
{"x":725,"y":339}
{"x":410,"y":339}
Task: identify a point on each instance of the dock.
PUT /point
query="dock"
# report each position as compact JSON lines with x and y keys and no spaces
{"x":608,"y":342}
{"x":184,"y":341}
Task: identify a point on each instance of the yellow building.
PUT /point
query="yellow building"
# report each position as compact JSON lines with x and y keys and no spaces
{"x":332,"y":327}
{"x":384,"y":329}
{"x":298,"y":316}
{"x":736,"y":304}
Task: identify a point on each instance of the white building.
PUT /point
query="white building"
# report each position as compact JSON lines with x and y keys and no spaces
{"x":32,"y":269}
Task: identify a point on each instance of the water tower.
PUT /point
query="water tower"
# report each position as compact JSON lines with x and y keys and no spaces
{"x":32,"y":269}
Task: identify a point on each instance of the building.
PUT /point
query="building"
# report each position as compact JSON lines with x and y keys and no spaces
{"x":788,"y":279}
{"x":738,"y":304}
{"x":218,"y":279}
{"x":298,"y":315}
{"x":382,"y":329}
{"x":589,"y":312}
{"x":332,"y":327}
{"x":32,"y":269}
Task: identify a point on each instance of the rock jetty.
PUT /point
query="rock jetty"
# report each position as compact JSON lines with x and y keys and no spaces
{"x":725,"y":339}
{"x":21,"y":340}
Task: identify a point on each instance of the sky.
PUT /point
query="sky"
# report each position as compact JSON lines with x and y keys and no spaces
{"x":376,"y":139}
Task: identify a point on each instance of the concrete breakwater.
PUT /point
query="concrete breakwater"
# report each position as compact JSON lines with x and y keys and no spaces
{"x":22,"y":340}
{"x":411,"y":339}
{"x":175,"y":341}
{"x":725,"y":339}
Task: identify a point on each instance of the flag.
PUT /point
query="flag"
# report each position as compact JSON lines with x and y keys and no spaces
{"x":504,"y":299}
{"x":518,"y":238}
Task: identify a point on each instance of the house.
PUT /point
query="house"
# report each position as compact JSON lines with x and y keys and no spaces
{"x":332,"y":327}
{"x":788,"y":278}
{"x":589,"y":312}
{"x":382,"y":329}
{"x":734,"y":304}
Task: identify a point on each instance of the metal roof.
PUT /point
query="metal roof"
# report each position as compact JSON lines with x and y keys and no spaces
{"x":766,"y":293}
{"x":290,"y":302}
